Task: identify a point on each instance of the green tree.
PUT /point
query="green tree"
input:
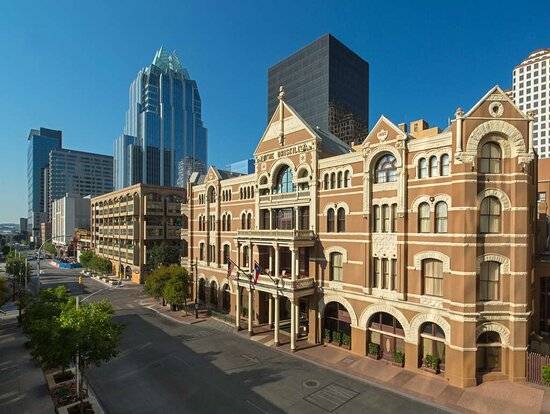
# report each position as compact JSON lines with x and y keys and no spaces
{"x":86,"y":258}
{"x":155,"y":281}
{"x":163,"y":254}
{"x":6,"y":249}
{"x":176,"y":288}
{"x":4,"y":291}
{"x":49,"y":248}
{"x":92,"y":334}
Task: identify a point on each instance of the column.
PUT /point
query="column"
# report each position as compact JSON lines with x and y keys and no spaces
{"x":458,"y":114}
{"x":276,"y":331}
{"x":250,"y":258}
{"x":250,"y":311}
{"x":293,"y":267}
{"x":277,"y":271}
{"x":530,"y":134}
{"x":270,"y":311}
{"x":271,"y":260}
{"x":238,"y":309}
{"x":292,"y":324}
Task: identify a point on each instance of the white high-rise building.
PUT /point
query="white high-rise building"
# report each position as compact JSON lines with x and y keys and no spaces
{"x":531,"y":92}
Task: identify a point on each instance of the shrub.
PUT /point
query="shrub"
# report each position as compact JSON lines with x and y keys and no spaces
{"x":346,"y":339}
{"x":432,"y":362}
{"x":399,"y":357}
{"x":328,"y":334}
{"x":374,"y":349}
{"x":546,"y":375}
{"x":337,"y":336}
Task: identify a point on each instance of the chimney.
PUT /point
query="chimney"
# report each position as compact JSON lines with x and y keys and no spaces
{"x":402,"y":126}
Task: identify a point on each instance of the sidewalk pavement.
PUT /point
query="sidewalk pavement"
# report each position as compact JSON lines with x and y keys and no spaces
{"x":496,"y":397}
{"x":23,"y":387}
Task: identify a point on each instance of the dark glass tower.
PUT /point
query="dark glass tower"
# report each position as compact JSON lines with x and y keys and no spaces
{"x":328,"y":84}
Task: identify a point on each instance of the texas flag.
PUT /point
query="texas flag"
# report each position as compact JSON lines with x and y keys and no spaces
{"x":256,"y":272}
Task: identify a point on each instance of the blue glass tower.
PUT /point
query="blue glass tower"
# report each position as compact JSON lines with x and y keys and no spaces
{"x":164,"y":138}
{"x":40,"y":143}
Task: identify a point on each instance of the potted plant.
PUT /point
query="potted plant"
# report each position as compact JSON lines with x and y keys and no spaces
{"x":346,"y":341}
{"x":328,"y":336}
{"x":431,"y":364}
{"x":374,"y":350}
{"x":546,"y":375}
{"x":398,"y":359}
{"x":337,"y":337}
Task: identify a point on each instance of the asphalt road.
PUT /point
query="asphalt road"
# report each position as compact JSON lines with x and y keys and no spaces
{"x":166,"y":367}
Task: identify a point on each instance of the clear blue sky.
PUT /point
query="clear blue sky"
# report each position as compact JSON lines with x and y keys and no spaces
{"x":68,"y":65}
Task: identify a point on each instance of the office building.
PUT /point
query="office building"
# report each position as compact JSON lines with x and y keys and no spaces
{"x":242,"y":167}
{"x":69,"y":213}
{"x":77,"y":173}
{"x":415,"y":242}
{"x":40,"y":143}
{"x":164,"y":138}
{"x":24,"y":226}
{"x":328,"y":84}
{"x":531,"y":93}
{"x":128,"y":223}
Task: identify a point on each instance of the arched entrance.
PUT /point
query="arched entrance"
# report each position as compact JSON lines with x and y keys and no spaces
{"x":385,"y":331}
{"x":489,"y":353}
{"x":213,"y":293}
{"x":432,"y":346}
{"x":202,"y":291}
{"x":226,"y":298}
{"x":337,"y":324}
{"x":128,"y":273}
{"x":121,"y":270}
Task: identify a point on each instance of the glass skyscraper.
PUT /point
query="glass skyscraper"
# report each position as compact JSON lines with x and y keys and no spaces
{"x":164,"y":138}
{"x":40,"y":143}
{"x":328,"y":85}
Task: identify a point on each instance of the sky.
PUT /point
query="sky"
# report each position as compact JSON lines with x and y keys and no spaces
{"x":68,"y":64}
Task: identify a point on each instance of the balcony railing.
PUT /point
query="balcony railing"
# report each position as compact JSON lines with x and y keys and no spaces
{"x":153,"y":208}
{"x":284,"y":283}
{"x":278,"y":235}
{"x":301,"y":196}
{"x":154,"y":232}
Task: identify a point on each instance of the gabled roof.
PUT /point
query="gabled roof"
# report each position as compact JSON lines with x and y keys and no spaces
{"x":386,"y":121}
{"x":498,"y":90}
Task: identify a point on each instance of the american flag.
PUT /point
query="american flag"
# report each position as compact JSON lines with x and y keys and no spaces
{"x":256,"y":272}
{"x":230,"y":267}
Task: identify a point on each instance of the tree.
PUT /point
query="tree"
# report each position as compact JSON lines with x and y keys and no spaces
{"x":176,"y":288}
{"x":163,"y":254}
{"x":49,"y":248}
{"x":92,"y":334}
{"x":6,"y":249}
{"x":154,"y":284}
{"x":86,"y":258}
{"x":4,"y":291}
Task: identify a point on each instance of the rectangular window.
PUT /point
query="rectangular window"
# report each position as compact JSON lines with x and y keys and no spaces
{"x":377,"y":219}
{"x":385,"y":274}
{"x":336,"y":266}
{"x":541,"y":196}
{"x":393,"y":217}
{"x":433,"y":277}
{"x":375,"y":272}
{"x":385,"y":218}
{"x":394,"y":274}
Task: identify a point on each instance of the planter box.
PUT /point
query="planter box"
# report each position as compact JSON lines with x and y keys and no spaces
{"x":430,"y":370}
{"x":65,"y":408}
{"x":398,"y":364}
{"x":51,"y":380}
{"x":371,"y":356}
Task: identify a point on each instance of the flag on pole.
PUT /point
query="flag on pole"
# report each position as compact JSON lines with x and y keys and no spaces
{"x":230,"y":267}
{"x":256,"y":272}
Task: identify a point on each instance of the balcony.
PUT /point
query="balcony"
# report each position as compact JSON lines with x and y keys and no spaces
{"x":285,"y":236}
{"x":153,"y":208}
{"x":154,"y":232}
{"x":285,"y":284}
{"x":173,"y":232}
{"x":302,"y":196}
{"x":173,"y":209}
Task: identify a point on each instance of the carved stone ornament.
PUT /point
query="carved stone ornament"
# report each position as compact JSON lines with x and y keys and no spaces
{"x":496,"y":109}
{"x":382,"y":135}
{"x":264,"y":166}
{"x":384,"y":244}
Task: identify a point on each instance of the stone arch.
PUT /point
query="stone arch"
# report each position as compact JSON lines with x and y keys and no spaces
{"x":502,"y":330}
{"x":336,"y":206}
{"x":432,"y":255}
{"x":326,"y":299}
{"x":422,"y":318}
{"x":426,"y":199}
{"x":494,"y":257}
{"x":276,"y":167}
{"x":378,"y":152}
{"x":337,"y":249}
{"x":495,"y":192}
{"x":499,"y":127}
{"x":302,"y":167}
{"x":226,"y":281}
{"x":386,"y":308}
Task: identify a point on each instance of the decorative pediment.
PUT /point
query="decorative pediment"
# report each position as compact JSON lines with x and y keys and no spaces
{"x":384,"y":130}
{"x":492,"y":105}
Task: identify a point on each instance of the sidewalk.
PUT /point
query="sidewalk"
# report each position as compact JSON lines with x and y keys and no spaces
{"x":497,"y":397}
{"x":22,"y":384}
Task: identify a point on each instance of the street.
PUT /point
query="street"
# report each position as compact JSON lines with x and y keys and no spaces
{"x":164,"y":366}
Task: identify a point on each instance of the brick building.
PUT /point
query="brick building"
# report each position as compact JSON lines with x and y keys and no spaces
{"x":416,"y":240}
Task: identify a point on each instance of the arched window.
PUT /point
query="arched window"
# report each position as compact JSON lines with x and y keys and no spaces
{"x":332,"y":180}
{"x":284,"y":183}
{"x":341,"y":220}
{"x":424,"y":218}
{"x":432,"y":343}
{"x":223,"y":220}
{"x":347,"y":182}
{"x":326,"y":182}
{"x":336,"y":266}
{"x":246,"y":261}
{"x":249,"y":221}
{"x":490,"y":215}
{"x":201,"y":251}
{"x":488,"y":282}
{"x":441,"y":217}
{"x":386,"y":331}
{"x":491,"y":158}
{"x":488,"y":353}
{"x":434,"y":167}
{"x":386,"y":169}
{"x":330,"y":220}
{"x":241,"y":192}
{"x":243,"y":221}
{"x":445,"y":164}
{"x":228,"y":222}
{"x":432,"y":277}
{"x":422,"y":168}
{"x":252,"y":192}
{"x":226,"y":253}
{"x":340,"y":180}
